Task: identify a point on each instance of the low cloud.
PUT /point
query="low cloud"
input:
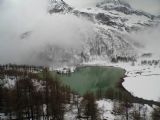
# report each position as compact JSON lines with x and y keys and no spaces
{"x":26,"y":29}
{"x":149,"y":39}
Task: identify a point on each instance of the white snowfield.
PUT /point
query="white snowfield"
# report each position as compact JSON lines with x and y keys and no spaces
{"x":147,"y":87}
{"x":144,"y":81}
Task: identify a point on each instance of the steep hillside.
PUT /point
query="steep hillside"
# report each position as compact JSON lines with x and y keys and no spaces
{"x":113,"y":22}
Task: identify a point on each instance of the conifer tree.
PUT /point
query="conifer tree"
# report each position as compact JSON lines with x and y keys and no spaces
{"x":89,"y":107}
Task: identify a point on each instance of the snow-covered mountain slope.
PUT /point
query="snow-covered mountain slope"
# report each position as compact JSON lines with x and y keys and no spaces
{"x":113,"y":13}
{"x":113,"y":22}
{"x":56,"y":6}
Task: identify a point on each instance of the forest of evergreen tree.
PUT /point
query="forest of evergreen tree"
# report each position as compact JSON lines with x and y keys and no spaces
{"x":50,"y":99}
{"x":25,"y":101}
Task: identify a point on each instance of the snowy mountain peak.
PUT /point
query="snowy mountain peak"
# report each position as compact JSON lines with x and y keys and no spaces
{"x":57,"y":6}
{"x":108,"y":4}
{"x":56,"y":1}
{"x":121,"y":6}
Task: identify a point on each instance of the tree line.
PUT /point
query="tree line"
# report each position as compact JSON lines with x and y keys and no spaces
{"x":46,"y":101}
{"x":35,"y":97}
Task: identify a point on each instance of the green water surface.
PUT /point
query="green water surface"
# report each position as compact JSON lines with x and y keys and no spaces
{"x":92,"y":78}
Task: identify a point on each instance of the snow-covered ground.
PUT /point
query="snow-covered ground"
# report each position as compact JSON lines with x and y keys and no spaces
{"x":105,"y":110}
{"x":144,"y":86}
{"x":143,"y":81}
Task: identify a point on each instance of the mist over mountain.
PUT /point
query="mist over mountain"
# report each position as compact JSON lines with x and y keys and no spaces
{"x":149,"y":38}
{"x":29,"y":34}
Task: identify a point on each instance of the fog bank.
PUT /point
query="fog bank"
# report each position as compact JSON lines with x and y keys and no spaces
{"x":149,"y":39}
{"x":26,"y":29}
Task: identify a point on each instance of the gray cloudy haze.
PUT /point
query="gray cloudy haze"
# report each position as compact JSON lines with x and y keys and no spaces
{"x":18,"y":17}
